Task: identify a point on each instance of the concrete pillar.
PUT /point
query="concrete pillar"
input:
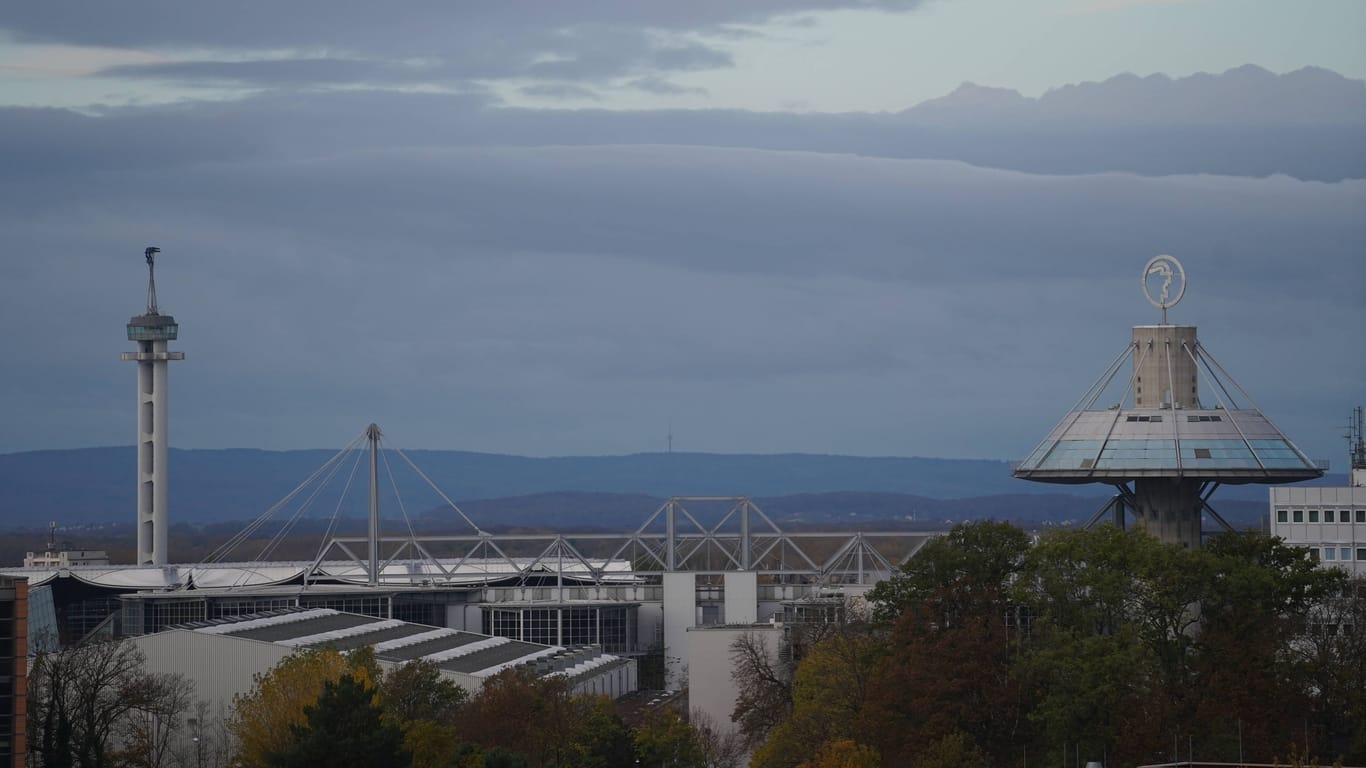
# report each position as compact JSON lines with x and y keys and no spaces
{"x":1165,"y":376}
{"x":1169,"y":508}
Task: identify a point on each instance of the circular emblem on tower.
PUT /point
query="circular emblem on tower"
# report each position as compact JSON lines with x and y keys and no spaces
{"x":1164,"y":282}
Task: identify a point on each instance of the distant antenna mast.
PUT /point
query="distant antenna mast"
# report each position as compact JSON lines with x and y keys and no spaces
{"x":52,"y":535}
{"x":151,"y":254}
{"x":670,"y":437}
{"x":1356,"y":441}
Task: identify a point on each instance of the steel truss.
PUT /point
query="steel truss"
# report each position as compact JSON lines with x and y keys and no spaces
{"x":673,"y":538}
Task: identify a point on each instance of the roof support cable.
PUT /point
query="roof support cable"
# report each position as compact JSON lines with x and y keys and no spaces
{"x":1171,"y":393}
{"x":439,"y":492}
{"x":1133,"y":378}
{"x":285,"y":529}
{"x":412,"y":535}
{"x":1087,"y":400}
{"x":336,"y":510}
{"x":1204,"y":352}
{"x":228,"y":546}
{"x":1228,"y":412}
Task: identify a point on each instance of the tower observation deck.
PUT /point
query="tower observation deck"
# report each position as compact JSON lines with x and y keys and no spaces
{"x":1163,"y":449}
{"x":152,"y":331}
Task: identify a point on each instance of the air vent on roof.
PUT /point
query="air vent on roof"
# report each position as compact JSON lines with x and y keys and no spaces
{"x":1144,"y":418}
{"x":1204,"y":418}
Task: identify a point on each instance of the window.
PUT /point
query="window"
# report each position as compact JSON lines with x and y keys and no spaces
{"x":1282,"y":516}
{"x":1327,"y":515}
{"x":1329,"y":553}
{"x":1361,"y":553}
{"x":1202,"y":453}
{"x":1345,"y":553}
{"x":1361,"y":515}
{"x":1299,"y":515}
{"x":1313,"y":515}
{"x":1314,"y":554}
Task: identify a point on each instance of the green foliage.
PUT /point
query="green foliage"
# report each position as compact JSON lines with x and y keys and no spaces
{"x":416,"y":691}
{"x":843,"y":753}
{"x":541,"y":719}
{"x":664,"y":737}
{"x":1102,"y":640}
{"x":952,"y":751}
{"x":973,"y":562}
{"x":343,"y":729}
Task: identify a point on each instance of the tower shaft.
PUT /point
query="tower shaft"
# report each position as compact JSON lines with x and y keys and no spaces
{"x":1165,"y":374}
{"x":1169,"y":508}
{"x":152,"y":332}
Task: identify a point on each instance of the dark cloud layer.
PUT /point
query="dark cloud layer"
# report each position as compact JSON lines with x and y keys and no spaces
{"x":577,"y":299}
{"x":364,"y":42}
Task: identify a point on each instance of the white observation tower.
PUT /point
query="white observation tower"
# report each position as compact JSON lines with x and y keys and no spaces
{"x":152,"y":331}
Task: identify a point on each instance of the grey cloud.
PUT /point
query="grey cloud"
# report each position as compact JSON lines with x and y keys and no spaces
{"x":562,"y":300}
{"x":595,"y":39}
{"x":972,"y":129}
{"x":287,"y":72}
{"x":663,"y":87}
{"x":564,"y":91}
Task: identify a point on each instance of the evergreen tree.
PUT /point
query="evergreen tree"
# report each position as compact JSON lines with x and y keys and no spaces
{"x":345,"y":728}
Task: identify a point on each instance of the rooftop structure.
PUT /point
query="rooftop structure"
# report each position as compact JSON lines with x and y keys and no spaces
{"x":152,"y":331}
{"x":1162,"y":448}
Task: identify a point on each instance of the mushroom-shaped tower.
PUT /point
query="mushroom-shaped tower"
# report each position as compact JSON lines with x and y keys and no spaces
{"x":1162,"y":448}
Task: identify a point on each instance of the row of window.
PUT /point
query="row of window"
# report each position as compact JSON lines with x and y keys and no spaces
{"x":1334,"y":554}
{"x":1329,"y":516}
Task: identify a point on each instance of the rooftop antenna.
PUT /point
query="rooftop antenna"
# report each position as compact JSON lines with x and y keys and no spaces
{"x":1356,"y":441}
{"x":151,"y":255}
{"x":52,"y":536}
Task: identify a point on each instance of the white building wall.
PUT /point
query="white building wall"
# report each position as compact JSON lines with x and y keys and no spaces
{"x":1330,"y":521}
{"x":680,"y":614}
{"x":219,"y":666}
{"x":711,"y":687}
{"x":742,"y":597}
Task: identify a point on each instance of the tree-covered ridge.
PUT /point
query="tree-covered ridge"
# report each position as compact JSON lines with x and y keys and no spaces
{"x":989,"y":649}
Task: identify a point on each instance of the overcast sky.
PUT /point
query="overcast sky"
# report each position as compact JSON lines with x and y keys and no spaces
{"x":553,"y":228}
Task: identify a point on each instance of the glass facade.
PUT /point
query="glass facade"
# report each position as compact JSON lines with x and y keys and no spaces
{"x":611,"y":627}
{"x":1149,"y":454}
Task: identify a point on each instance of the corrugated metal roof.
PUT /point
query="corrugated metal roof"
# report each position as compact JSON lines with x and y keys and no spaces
{"x":467,"y":653}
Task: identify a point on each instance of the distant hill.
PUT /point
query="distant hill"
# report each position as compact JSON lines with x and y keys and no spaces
{"x":94,"y":486}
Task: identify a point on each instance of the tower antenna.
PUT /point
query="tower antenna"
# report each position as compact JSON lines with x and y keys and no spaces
{"x":151,"y":256}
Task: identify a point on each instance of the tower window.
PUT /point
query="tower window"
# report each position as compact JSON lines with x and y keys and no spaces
{"x":1299,"y":515}
{"x":1313,"y":515}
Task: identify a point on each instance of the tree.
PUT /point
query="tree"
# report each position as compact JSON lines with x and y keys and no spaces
{"x":843,"y":753}
{"x":417,"y":691}
{"x":953,"y":639}
{"x":764,"y":683}
{"x":954,"y":573}
{"x":721,"y":747}
{"x":664,"y":738}
{"x":82,"y":697}
{"x":261,"y":720}
{"x":829,"y":691}
{"x":953,"y":751}
{"x":344,"y":728}
{"x":541,"y":719}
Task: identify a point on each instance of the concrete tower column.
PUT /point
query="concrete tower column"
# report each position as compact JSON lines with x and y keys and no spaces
{"x":1165,"y":376}
{"x":1169,"y":508}
{"x":152,"y":331}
